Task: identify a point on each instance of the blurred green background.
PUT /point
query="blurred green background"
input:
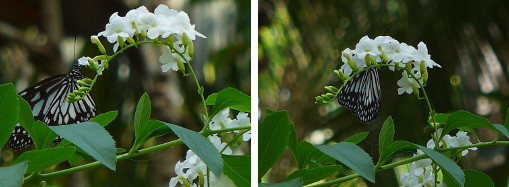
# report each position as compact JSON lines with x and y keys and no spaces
{"x":300,"y":43}
{"x":37,"y":41}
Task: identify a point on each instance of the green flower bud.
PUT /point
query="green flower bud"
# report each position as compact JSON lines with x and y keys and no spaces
{"x":424,"y":72}
{"x":383,"y":56}
{"x":201,"y":178}
{"x":416,"y":90}
{"x":82,"y":83}
{"x":144,"y":34}
{"x":351,"y":63}
{"x":88,"y":80}
{"x":181,"y":66}
{"x":331,"y":88}
{"x":409,"y":67}
{"x":185,"y":40}
{"x":190,"y":49}
{"x":339,"y":73}
{"x":171,"y":39}
{"x":130,"y":40}
{"x":84,"y":89}
{"x":330,"y":95}
{"x":100,"y":57}
{"x":92,"y":65}
{"x":78,"y":93}
{"x":97,"y":42}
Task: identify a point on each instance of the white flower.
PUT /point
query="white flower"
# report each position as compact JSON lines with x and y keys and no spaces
{"x":463,"y":139}
{"x":117,"y":27}
{"x":83,"y":61}
{"x":405,"y":83}
{"x":169,"y":60}
{"x":421,"y":54}
{"x":221,"y":120}
{"x":242,"y":120}
{"x":216,"y":141}
{"x":366,"y":46}
{"x":150,"y":23}
{"x":360,"y":63}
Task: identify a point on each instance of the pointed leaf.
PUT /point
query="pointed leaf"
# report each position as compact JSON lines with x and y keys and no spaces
{"x":293,"y":139}
{"x":232,"y":98}
{"x":314,"y":174}
{"x":306,"y":152}
{"x":26,"y":118}
{"x":41,"y":159}
{"x":352,"y":156}
{"x":142,"y":114}
{"x":201,"y":146}
{"x":42,"y":135}
{"x":92,"y":138}
{"x":146,"y":131}
{"x":395,"y":147}
{"x":386,"y":135}
{"x":357,"y":138}
{"x":502,"y":129}
{"x":211,"y":99}
{"x":238,"y":168}
{"x":465,"y":120}
{"x":446,"y":164}
{"x":105,"y":118}
{"x":13,"y":175}
{"x":9,"y":111}
{"x":274,"y":130}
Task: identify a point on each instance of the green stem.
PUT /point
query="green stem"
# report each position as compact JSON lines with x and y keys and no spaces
{"x":124,"y":156}
{"x":408,"y":160}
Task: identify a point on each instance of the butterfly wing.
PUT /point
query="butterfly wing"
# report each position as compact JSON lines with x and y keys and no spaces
{"x":48,"y":100}
{"x":362,"y":95}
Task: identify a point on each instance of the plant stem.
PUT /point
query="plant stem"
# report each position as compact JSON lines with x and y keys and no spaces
{"x":408,"y":160}
{"x":125,"y":156}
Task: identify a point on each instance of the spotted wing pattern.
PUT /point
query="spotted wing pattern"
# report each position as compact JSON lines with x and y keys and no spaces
{"x":48,"y":100}
{"x":362,"y":95}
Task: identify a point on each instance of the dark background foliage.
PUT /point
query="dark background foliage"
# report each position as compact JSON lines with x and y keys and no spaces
{"x":37,"y":41}
{"x":300,"y":43}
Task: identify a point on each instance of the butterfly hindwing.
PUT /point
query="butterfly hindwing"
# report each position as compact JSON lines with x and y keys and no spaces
{"x":362,"y":95}
{"x":48,"y":100}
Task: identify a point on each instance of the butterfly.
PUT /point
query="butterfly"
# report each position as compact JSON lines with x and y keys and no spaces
{"x":362,"y":95}
{"x":48,"y":100}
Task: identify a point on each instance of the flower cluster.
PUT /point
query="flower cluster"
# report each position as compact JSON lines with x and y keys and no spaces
{"x":421,"y":171}
{"x":193,"y":167}
{"x":386,"y":50}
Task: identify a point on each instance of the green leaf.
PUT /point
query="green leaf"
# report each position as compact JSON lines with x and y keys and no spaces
{"x":395,"y":147}
{"x":201,"y":146}
{"x":92,"y":138}
{"x":238,"y":168}
{"x":352,"y":156}
{"x":26,"y":118}
{"x":465,"y":120}
{"x":13,"y":175}
{"x":211,"y":99}
{"x":75,"y":159}
{"x":232,"y":98}
{"x":447,"y":165}
{"x":105,"y":118}
{"x":473,"y":178}
{"x":9,"y":111}
{"x":440,"y":118}
{"x":502,"y":129}
{"x":42,"y":135}
{"x":142,"y":114}
{"x":314,"y":174}
{"x":293,"y":140}
{"x":306,"y":152}
{"x":386,"y":136}
{"x":357,"y":138}
{"x":145,"y":132}
{"x":274,"y":130}
{"x":41,"y":159}
{"x":290,"y":183}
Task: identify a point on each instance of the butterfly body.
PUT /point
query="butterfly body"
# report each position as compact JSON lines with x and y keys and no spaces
{"x":362,"y":95}
{"x":48,"y":100}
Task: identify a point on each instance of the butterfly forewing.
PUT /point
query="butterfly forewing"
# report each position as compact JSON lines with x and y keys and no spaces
{"x":362,"y":95}
{"x":48,"y":100}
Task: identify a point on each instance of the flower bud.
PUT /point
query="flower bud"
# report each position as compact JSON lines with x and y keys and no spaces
{"x":144,"y":34}
{"x":424,"y":71}
{"x":171,"y":39}
{"x":330,"y":95}
{"x":185,"y":40}
{"x":409,"y":67}
{"x":201,"y":178}
{"x":78,"y":93}
{"x":92,"y":64}
{"x":82,"y":83}
{"x":339,"y":73}
{"x":415,"y":89}
{"x":121,"y":43}
{"x":190,"y":50}
{"x":100,"y":57}
{"x":383,"y":56}
{"x":370,"y":60}
{"x":351,"y":63}
{"x":84,"y":89}
{"x":130,"y":40}
{"x":331,"y":88}
{"x":88,"y":80}
{"x":181,"y":66}
{"x":97,"y":42}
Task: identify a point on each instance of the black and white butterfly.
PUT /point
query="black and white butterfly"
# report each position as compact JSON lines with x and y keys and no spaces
{"x":48,"y":100}
{"x":362,"y":95}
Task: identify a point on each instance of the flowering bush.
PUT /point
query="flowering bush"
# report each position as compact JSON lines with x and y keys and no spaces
{"x":430,"y":165}
{"x":214,"y":151}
